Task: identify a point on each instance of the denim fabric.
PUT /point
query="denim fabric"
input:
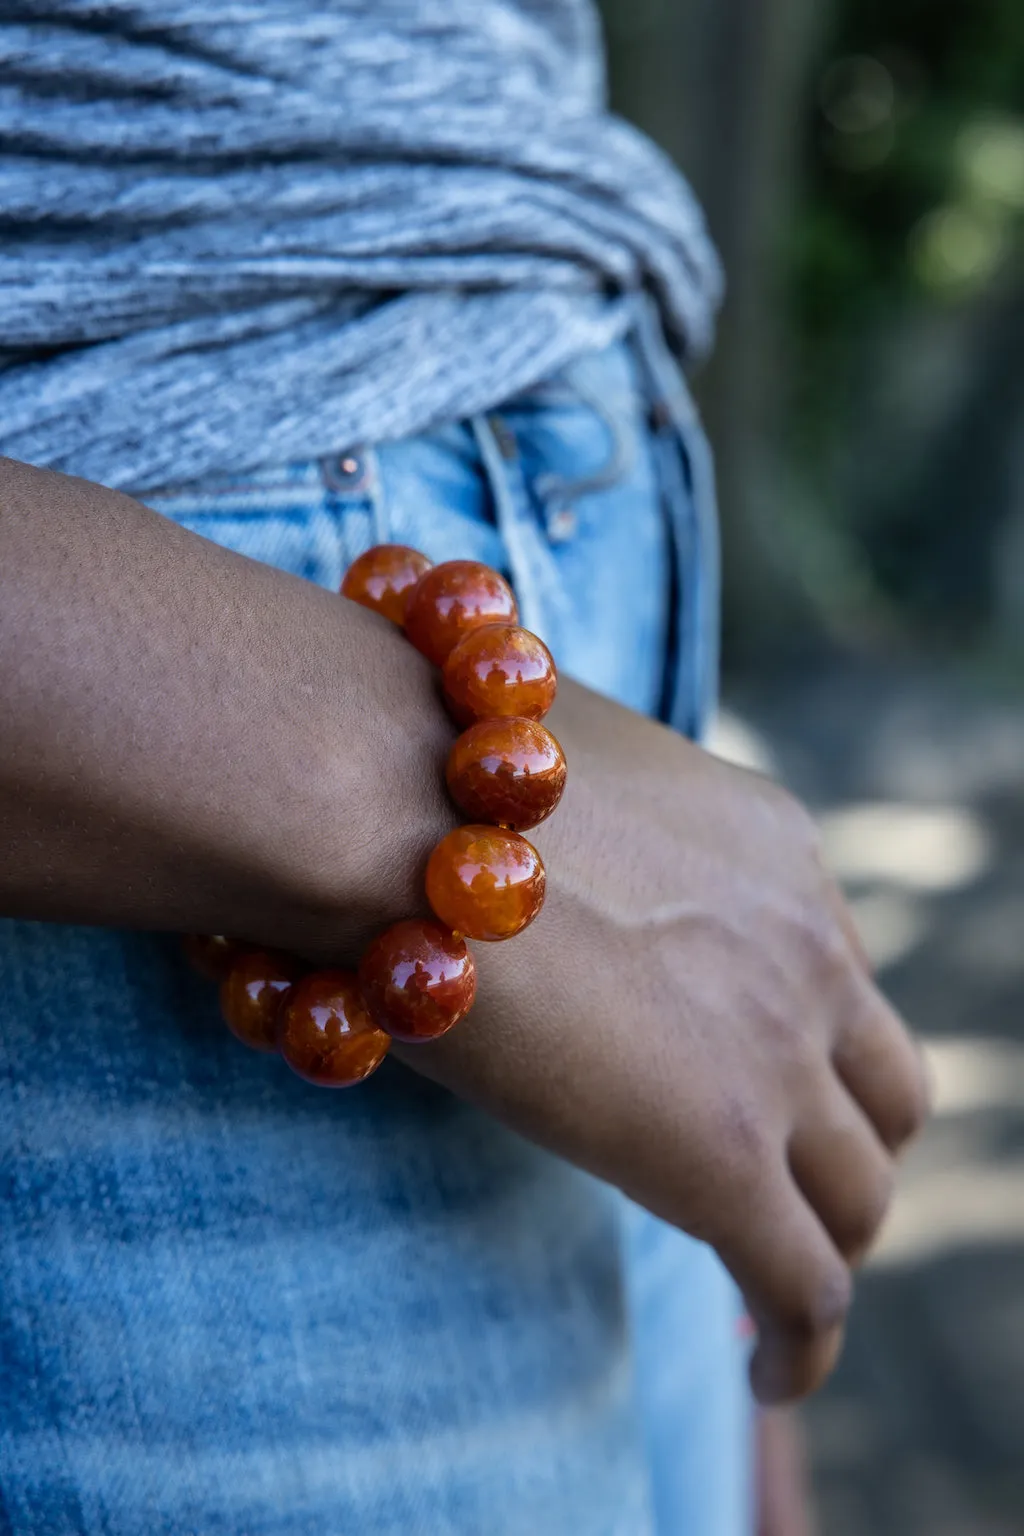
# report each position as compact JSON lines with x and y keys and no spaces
{"x":232,"y":1305}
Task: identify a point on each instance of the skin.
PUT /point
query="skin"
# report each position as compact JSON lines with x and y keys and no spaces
{"x":196,"y":742}
{"x":783,"y":1504}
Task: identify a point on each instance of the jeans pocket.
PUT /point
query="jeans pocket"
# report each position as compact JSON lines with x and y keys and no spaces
{"x":585,"y":453}
{"x":292,"y":516}
{"x":574,"y":444}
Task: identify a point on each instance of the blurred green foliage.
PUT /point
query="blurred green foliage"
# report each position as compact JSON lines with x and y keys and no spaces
{"x":903,"y":280}
{"x":862,"y":162}
{"x":913,"y":187}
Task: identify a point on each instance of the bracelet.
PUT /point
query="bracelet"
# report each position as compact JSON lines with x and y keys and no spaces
{"x":484,"y":881}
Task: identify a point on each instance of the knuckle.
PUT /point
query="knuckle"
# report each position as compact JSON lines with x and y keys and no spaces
{"x":741,"y":1127}
{"x":909,"y":1114}
{"x":820,"y":1305}
{"x":862,"y":1224}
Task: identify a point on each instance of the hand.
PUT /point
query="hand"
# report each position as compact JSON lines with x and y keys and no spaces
{"x":691,"y":1017}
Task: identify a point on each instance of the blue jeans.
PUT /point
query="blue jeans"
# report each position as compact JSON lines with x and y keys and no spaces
{"x":232,"y":1305}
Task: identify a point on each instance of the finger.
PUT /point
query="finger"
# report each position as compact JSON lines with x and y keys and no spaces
{"x":796,"y":1285}
{"x":841,"y":1167}
{"x":882,"y":1067}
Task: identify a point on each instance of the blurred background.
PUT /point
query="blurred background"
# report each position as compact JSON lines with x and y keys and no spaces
{"x":862,"y":166}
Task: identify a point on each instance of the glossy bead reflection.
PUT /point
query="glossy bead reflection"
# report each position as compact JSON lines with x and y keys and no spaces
{"x":451,"y":600}
{"x":211,"y":954}
{"x":252,"y":992}
{"x":325,"y":1033}
{"x":499,"y":670}
{"x":383,"y":579}
{"x":485,"y":882}
{"x":510,"y":771}
{"x":417,"y":980}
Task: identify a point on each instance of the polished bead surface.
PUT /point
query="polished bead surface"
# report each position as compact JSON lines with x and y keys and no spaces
{"x":211,"y":954}
{"x":325,"y":1033}
{"x":417,"y":979}
{"x":499,"y":670}
{"x":451,"y":600}
{"x":509,"y":771}
{"x":383,"y":579}
{"x":252,"y":992}
{"x":485,"y":882}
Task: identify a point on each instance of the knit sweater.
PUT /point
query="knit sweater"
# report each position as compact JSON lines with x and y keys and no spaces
{"x":249,"y":231}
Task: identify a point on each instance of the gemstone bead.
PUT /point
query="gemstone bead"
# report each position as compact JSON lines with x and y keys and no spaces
{"x":485,"y":882}
{"x":499,"y":670}
{"x":211,"y":954}
{"x":325,"y":1033}
{"x":509,"y":771}
{"x":383,"y":579}
{"x":452,"y":599}
{"x":417,"y":979}
{"x":252,"y":992}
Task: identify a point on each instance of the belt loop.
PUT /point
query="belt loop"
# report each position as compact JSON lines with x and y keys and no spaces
{"x":694,"y":514}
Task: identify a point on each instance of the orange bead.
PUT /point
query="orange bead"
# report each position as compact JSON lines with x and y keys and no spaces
{"x":485,"y":882}
{"x":211,"y":954}
{"x":511,"y":772}
{"x":499,"y":670}
{"x":252,"y":992}
{"x":326,"y":1035}
{"x":452,"y":599}
{"x":383,"y":579}
{"x":417,"y":980}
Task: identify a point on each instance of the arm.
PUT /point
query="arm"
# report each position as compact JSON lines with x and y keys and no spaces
{"x":195,"y":741}
{"x":192,"y":740}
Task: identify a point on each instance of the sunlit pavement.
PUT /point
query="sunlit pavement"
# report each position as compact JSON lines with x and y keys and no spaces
{"x":919,"y":785}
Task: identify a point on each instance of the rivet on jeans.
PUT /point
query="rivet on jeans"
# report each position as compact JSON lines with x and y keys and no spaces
{"x":561,"y":524}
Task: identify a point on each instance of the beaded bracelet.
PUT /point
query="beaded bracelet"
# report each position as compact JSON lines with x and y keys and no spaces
{"x":483,"y":881}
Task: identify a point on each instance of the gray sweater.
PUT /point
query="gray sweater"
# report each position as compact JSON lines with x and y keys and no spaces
{"x":247,"y":231}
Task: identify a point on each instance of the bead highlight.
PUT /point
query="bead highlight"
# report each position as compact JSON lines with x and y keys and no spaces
{"x":417,"y":980}
{"x":211,"y":954}
{"x":452,"y":599}
{"x":252,"y":992}
{"x":499,"y":670}
{"x":325,"y":1033}
{"x":383,"y":577}
{"x":485,"y":882}
{"x":510,"y":771}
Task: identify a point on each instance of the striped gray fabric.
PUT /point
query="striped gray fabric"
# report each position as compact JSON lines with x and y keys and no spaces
{"x":259,"y":230}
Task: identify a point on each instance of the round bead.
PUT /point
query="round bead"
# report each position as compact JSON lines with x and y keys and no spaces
{"x":508,"y":771}
{"x":499,"y":670}
{"x":452,"y":599}
{"x":383,"y":579}
{"x":325,"y":1033}
{"x":417,"y":979}
{"x":252,"y":992}
{"x":485,"y":882}
{"x":211,"y":954}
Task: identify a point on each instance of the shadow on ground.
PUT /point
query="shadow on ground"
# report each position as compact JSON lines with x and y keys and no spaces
{"x":919,"y":781}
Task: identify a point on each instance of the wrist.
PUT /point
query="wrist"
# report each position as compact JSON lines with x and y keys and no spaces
{"x":368,"y":798}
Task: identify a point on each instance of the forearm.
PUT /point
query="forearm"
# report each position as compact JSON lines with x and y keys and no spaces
{"x":194,"y":740}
